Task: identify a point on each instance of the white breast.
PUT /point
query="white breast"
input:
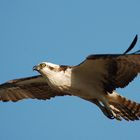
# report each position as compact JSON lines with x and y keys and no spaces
{"x":59,"y":80}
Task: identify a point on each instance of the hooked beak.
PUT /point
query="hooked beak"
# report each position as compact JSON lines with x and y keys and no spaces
{"x":36,"y":68}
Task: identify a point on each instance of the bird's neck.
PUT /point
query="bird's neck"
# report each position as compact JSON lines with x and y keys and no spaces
{"x":59,"y":80}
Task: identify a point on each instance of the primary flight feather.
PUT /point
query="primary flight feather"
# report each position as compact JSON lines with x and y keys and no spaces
{"x":94,"y":80}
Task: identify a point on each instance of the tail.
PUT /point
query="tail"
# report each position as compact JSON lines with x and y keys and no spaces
{"x":123,"y":108}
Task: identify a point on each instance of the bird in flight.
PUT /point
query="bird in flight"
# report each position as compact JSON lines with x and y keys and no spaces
{"x":95,"y":80}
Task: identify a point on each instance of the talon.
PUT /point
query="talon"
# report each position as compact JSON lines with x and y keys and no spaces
{"x":111,"y":117}
{"x":108,"y":113}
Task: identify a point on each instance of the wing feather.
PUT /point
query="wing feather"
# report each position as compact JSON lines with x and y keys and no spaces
{"x":30,"y":87}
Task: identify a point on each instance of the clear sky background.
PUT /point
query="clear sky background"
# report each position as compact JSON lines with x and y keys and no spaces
{"x":63,"y":32}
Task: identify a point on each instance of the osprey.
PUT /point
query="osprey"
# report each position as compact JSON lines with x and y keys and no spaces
{"x":94,"y":80}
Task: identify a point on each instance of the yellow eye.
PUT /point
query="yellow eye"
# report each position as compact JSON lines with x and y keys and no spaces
{"x":42,"y":65}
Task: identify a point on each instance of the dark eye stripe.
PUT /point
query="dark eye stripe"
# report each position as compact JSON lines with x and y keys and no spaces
{"x":51,"y":68}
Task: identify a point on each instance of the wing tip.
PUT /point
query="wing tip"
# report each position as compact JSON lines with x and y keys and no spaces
{"x":132,"y":45}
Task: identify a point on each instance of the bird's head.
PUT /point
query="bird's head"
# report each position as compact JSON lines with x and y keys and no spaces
{"x":46,"y":68}
{"x":54,"y":74}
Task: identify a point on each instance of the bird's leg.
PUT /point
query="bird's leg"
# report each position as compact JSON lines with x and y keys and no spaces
{"x":107,"y":112}
{"x":109,"y":109}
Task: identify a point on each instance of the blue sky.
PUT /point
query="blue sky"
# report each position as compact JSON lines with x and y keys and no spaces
{"x":63,"y":32}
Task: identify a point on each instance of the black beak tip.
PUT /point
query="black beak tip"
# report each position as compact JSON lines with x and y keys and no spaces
{"x":35,"y":68}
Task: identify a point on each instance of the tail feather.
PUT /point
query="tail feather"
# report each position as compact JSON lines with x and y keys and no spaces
{"x":124,"y":108}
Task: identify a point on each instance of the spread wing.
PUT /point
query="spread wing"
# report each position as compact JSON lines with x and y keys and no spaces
{"x":32,"y":87}
{"x":109,"y":71}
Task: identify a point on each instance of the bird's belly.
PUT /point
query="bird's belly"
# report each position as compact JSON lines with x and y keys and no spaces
{"x":87,"y":91}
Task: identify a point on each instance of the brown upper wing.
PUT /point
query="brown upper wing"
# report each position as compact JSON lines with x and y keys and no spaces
{"x":31,"y":87}
{"x":111,"y":71}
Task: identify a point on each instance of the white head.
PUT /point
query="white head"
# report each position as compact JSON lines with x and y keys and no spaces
{"x":46,"y":67}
